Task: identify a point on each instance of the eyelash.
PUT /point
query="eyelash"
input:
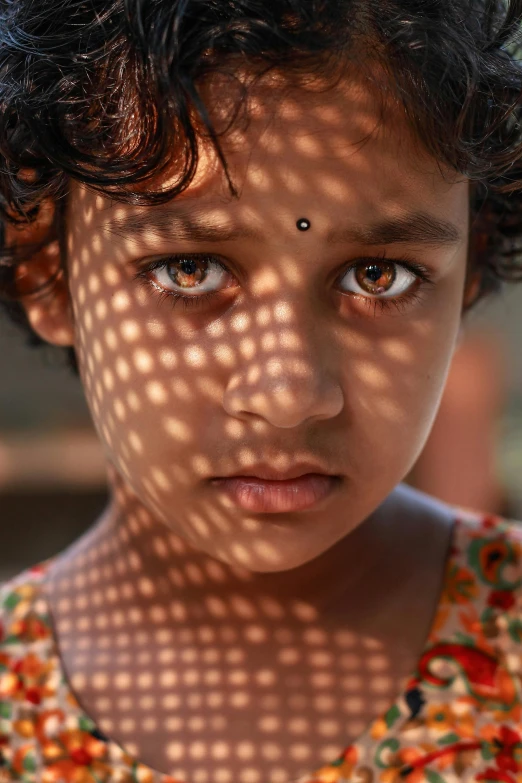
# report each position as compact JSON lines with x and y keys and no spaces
{"x":384,"y":304}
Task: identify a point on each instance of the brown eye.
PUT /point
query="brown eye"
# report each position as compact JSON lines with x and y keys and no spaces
{"x":187,"y":273}
{"x":378,"y":279}
{"x":191,"y":275}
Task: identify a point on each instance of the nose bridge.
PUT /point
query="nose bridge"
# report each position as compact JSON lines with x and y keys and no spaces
{"x":291,"y":374}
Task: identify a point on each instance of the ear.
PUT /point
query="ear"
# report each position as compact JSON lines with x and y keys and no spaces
{"x":40,"y":281}
{"x":471,"y":289}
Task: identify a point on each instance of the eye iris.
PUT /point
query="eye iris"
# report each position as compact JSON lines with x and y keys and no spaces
{"x":185,"y":273}
{"x":376,"y":278}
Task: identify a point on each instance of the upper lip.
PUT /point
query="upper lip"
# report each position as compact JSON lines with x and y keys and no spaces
{"x":268,"y":473}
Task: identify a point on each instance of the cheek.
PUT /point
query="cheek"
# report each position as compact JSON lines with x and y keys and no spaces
{"x":395,"y":419}
{"x":395,"y":393}
{"x":150,"y":402}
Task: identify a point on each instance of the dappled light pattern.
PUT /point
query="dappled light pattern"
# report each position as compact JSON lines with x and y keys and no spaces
{"x":196,"y":678}
{"x":200,"y":670}
{"x":215,"y":643}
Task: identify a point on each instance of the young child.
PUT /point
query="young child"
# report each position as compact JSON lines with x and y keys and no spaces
{"x":255,"y":227}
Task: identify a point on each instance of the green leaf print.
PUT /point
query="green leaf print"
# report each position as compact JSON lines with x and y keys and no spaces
{"x":392,"y":715}
{"x":12,"y":600}
{"x":86,"y":724}
{"x":433,"y":777}
{"x":6,"y":709}
{"x":11,"y":640}
{"x":30,"y":763}
{"x":486,"y":751}
{"x":386,"y":748}
{"x":449,"y":739}
{"x":464,"y":638}
{"x":487,"y":615}
{"x":515,"y":630}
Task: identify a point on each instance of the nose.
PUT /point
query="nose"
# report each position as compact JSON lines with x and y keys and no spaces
{"x":286,"y":387}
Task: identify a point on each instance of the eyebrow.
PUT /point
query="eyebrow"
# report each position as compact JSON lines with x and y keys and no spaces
{"x":418,"y":228}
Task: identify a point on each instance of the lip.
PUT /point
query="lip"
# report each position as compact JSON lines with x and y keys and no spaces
{"x":265,"y":496}
{"x":267,"y":472}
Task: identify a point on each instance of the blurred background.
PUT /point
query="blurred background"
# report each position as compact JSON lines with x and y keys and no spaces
{"x":52,"y":476}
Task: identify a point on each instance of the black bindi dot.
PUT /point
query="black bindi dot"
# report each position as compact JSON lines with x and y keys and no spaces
{"x":303,"y":224}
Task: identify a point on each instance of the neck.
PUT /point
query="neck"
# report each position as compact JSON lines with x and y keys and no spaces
{"x":359,"y":570}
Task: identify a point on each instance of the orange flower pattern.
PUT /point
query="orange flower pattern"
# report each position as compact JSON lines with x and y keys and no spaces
{"x":458,"y":718}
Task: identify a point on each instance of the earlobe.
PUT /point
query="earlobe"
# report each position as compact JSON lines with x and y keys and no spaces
{"x":42,"y":290}
{"x":471,"y":290}
{"x":49,"y":313}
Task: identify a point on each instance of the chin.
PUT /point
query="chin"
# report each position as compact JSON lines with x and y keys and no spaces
{"x":266,"y":557}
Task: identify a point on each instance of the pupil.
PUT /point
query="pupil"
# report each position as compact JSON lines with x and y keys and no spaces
{"x":188,"y":267}
{"x":374,"y":273}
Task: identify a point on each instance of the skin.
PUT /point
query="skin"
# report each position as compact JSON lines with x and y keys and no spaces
{"x":286,"y":365}
{"x":459,"y":461}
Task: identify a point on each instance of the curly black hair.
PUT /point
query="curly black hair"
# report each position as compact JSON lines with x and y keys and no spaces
{"x":107,"y":92}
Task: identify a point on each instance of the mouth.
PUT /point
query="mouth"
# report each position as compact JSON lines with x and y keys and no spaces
{"x":266,"y":472}
{"x":261,"y":489}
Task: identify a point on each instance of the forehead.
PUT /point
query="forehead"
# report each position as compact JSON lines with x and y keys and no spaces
{"x":349,"y":127}
{"x":323,"y":147}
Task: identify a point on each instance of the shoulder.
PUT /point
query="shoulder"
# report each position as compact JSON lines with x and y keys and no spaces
{"x":25,"y":635}
{"x":492,"y":547}
{"x":26,"y":669}
{"x":482,"y":596}
{"x":488,"y":544}
{"x":24,"y":619}
{"x":44,"y":734}
{"x":483,"y":562}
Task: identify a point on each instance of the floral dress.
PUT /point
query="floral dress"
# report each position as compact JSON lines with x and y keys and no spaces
{"x":458,"y":717}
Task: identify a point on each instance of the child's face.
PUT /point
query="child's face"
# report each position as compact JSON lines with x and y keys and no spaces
{"x":281,"y":367}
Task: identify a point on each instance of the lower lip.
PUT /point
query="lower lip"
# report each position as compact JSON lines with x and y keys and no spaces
{"x":273,"y":497}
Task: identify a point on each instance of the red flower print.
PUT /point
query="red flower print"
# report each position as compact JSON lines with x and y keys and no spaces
{"x":38,"y":569}
{"x":507,"y":742}
{"x":501,"y":599}
{"x":82,"y":759}
{"x":492,"y":775}
{"x":33,"y":695}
